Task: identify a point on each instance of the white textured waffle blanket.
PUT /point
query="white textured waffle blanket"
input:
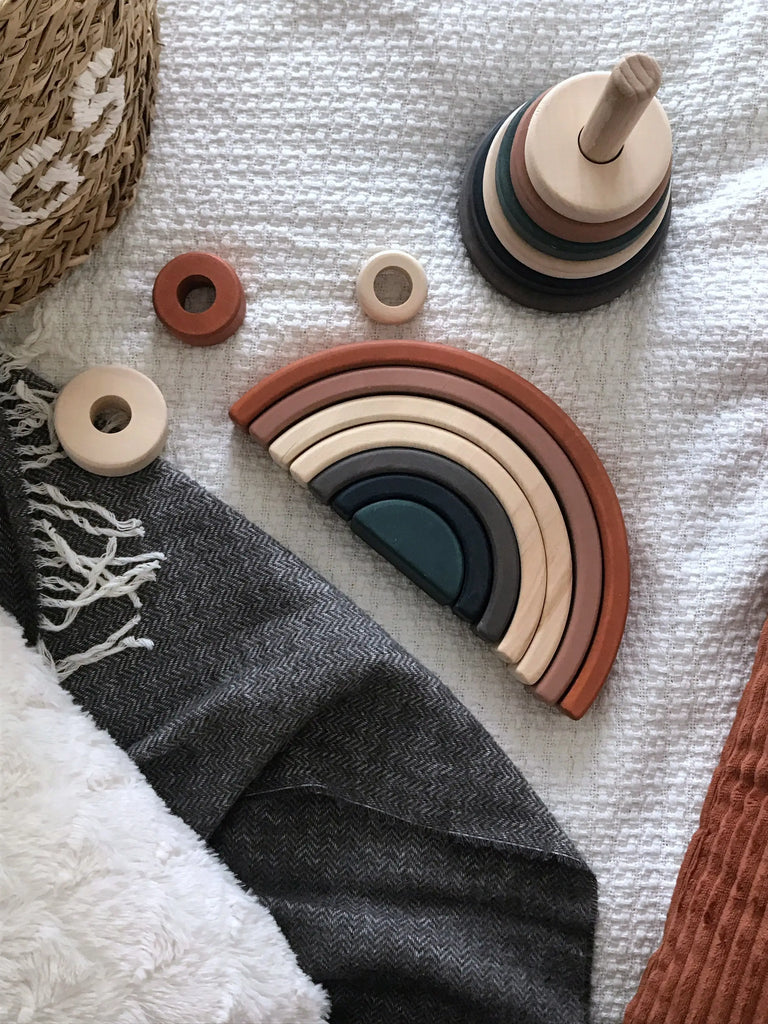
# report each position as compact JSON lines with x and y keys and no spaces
{"x":297,"y":137}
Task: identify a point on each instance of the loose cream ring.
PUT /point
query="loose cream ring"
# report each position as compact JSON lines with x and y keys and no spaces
{"x":111,"y":420}
{"x":376,"y":279}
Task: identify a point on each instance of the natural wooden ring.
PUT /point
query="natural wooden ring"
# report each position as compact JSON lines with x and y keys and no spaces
{"x":554,"y":464}
{"x":126,"y":451}
{"x":553,"y":222}
{"x":613,"y":537}
{"x":370,"y":303}
{"x":181,"y":276}
{"x":575,"y":186}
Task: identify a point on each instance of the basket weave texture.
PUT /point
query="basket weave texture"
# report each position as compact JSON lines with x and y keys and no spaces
{"x":77,"y":86}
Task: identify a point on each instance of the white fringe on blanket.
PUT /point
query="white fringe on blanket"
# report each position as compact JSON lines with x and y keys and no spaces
{"x":70,"y":580}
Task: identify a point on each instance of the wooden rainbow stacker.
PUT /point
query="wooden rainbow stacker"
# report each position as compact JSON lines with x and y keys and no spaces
{"x":475,"y":485}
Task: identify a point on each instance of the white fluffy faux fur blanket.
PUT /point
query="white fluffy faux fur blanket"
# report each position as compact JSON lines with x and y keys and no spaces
{"x":112,"y":910}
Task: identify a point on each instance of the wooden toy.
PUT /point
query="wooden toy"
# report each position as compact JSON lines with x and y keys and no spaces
{"x":524,"y":285}
{"x":586,"y":185}
{"x":543,"y":262}
{"x":505,"y":581}
{"x":322,"y":415}
{"x":475,"y":547}
{"x":518,"y":183}
{"x":181,"y":276}
{"x":555,"y":466}
{"x":546,"y":217}
{"x":533,"y":562}
{"x":413,"y":272}
{"x":111,"y":391}
{"x":409,"y":408}
{"x":416,"y":540}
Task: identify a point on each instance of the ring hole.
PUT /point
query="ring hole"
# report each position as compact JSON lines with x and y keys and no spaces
{"x":110,"y":414}
{"x":196,"y":293}
{"x":392,"y":286}
{"x":600,"y":162}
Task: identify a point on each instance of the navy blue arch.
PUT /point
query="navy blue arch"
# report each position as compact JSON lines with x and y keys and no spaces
{"x":505,"y":555}
{"x":470,"y":533}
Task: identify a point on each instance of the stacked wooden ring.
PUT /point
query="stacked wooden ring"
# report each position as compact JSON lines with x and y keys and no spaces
{"x":567,"y":201}
{"x":474,"y":484}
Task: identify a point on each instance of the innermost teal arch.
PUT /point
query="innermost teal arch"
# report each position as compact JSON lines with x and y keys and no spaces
{"x":417,"y":541}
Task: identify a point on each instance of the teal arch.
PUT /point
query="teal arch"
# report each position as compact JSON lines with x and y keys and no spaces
{"x":417,"y":541}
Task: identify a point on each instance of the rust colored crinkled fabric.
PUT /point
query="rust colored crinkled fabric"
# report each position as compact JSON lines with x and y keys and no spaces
{"x":712,"y":965}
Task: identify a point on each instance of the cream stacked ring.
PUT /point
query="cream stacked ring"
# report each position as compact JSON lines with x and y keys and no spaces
{"x":475,"y":485}
{"x":567,"y":201}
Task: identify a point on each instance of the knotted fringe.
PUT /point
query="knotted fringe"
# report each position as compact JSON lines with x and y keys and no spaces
{"x":69,"y":580}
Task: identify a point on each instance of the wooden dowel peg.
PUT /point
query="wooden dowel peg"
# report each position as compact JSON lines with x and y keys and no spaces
{"x":630,"y":88}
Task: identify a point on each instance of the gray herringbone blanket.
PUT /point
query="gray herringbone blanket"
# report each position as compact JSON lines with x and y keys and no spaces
{"x":412,"y":868}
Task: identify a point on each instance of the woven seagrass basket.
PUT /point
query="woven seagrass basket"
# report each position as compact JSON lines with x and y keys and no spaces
{"x":77,"y":85}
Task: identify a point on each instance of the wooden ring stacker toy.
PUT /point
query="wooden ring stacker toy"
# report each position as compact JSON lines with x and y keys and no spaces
{"x":554,"y":223}
{"x":373,"y":306}
{"x":505,"y":414}
{"x":101,"y":391}
{"x":181,"y":276}
{"x":587,"y":673}
{"x":541,"y":262}
{"x":607,"y":242}
{"x":556,"y":244}
{"x":612,"y":166}
{"x":524,"y":285}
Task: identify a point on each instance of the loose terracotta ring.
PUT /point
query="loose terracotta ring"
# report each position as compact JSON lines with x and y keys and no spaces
{"x":413,"y":277}
{"x":199,"y":270}
{"x":111,"y":420}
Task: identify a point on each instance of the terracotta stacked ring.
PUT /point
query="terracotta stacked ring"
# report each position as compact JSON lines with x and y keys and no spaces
{"x":183,"y":275}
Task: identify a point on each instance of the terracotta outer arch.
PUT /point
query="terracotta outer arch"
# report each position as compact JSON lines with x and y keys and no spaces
{"x":552,"y":221}
{"x":613,"y":538}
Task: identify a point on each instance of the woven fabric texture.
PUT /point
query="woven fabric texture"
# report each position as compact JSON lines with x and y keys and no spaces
{"x":412,"y":868}
{"x":295,"y":138}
